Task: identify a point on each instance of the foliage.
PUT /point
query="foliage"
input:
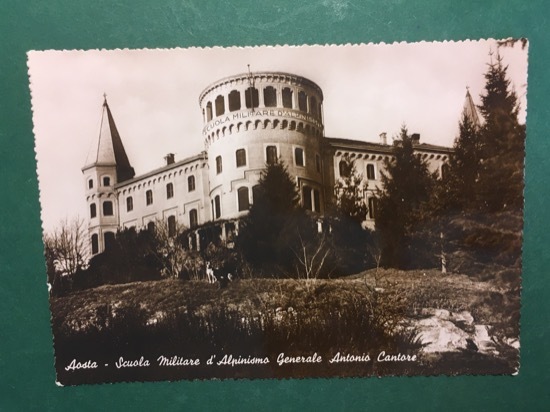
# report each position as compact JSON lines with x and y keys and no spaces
{"x":502,"y":150}
{"x":270,"y":231}
{"x":349,"y":193}
{"x":403,"y":207}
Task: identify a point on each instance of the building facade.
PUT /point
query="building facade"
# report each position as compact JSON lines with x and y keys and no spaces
{"x":250,"y":120}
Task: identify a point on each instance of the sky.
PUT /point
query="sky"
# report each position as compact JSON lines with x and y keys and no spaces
{"x":153,"y":95}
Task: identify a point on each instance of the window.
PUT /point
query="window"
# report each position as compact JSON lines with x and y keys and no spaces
{"x":220,"y":106}
{"x":370,"y":171}
{"x":302,"y":101}
{"x":318,"y":163}
{"x":344,"y":168}
{"x":151,"y":226}
{"x":190,"y":183}
{"x":209,"y":111}
{"x":251,"y":98}
{"x":271,"y":155}
{"x":193,"y":218}
{"x":306,"y":198}
{"x":93,"y":211}
{"x":299,"y":156}
{"x":234,"y":101}
{"x":242,"y":194}
{"x":313,"y":105}
{"x":287,"y":98}
{"x":372,"y":207}
{"x":217,"y":207}
{"x":316,"y":200}
{"x":106,"y":181}
{"x":129,"y":204}
{"x":108,"y":208}
{"x":109,"y":239}
{"x":91,"y":184}
{"x":95,"y":244}
{"x":169,"y":191}
{"x":219,"y":166}
{"x":240,"y":157}
{"x":444,"y":170}
{"x":270,"y":97}
{"x":149,"y":197}
{"x":171,"y":226}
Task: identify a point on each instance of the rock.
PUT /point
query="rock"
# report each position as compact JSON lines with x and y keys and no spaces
{"x":483,"y":340}
{"x":463,"y":317}
{"x":440,"y":335}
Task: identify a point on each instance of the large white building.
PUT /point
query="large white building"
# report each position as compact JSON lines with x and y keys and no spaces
{"x":249,"y":120}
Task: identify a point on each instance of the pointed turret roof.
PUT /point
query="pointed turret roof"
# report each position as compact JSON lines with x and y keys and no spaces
{"x":470,"y":109}
{"x":109,"y":150}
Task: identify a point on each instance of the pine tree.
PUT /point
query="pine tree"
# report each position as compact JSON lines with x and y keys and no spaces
{"x":272,"y":228}
{"x":500,"y":185}
{"x":462,"y":174}
{"x":349,"y":193}
{"x":407,"y":186}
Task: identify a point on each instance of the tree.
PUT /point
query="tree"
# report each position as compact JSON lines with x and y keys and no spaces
{"x":269,"y":233}
{"x":66,"y":248}
{"x":403,"y":201}
{"x":460,"y":181}
{"x":502,"y":151}
{"x":348,"y":236}
{"x":168,"y":248}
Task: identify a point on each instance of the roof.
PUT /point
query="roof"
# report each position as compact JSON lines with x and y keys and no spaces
{"x":348,"y":144}
{"x":109,"y":150}
{"x":187,"y":160}
{"x":470,"y":110}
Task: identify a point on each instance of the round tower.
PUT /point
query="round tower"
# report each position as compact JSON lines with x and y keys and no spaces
{"x":254,"y":119}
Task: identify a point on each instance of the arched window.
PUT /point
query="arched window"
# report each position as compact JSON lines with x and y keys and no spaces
{"x":306,"y":198}
{"x":219,"y":166}
{"x":234,"y":101}
{"x":217,"y":207}
{"x":287,"y":98}
{"x":242,"y":194}
{"x":193,"y":218}
{"x":240,"y":156}
{"x":302,"y":101}
{"x":191,"y":183}
{"x":270,"y":97}
{"x":149,"y":197}
{"x":109,"y":239}
{"x":372,"y":207}
{"x":108,"y":208}
{"x":208,"y":111}
{"x":106,"y":181}
{"x":271,"y":155}
{"x":90,"y":183}
{"x":129,"y":204}
{"x":169,"y":191}
{"x":251,"y":98}
{"x":313,"y":105}
{"x":370,"y":171}
{"x":171,"y":226}
{"x":220,"y":105}
{"x":299,"y":156}
{"x":95,"y":244}
{"x":93,"y":211}
{"x":344,"y":168}
{"x":151,"y":226}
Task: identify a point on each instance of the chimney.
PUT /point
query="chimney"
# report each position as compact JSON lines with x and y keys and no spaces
{"x":169,"y":158}
{"x":415,"y":137}
{"x":383,"y":138}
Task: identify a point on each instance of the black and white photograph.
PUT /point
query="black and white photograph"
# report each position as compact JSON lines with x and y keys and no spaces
{"x":282,"y":211}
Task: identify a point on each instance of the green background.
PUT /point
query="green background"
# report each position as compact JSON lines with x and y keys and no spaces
{"x":26,"y":355}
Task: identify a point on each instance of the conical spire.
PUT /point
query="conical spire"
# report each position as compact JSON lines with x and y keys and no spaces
{"x":109,"y":150}
{"x":470,"y":109}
